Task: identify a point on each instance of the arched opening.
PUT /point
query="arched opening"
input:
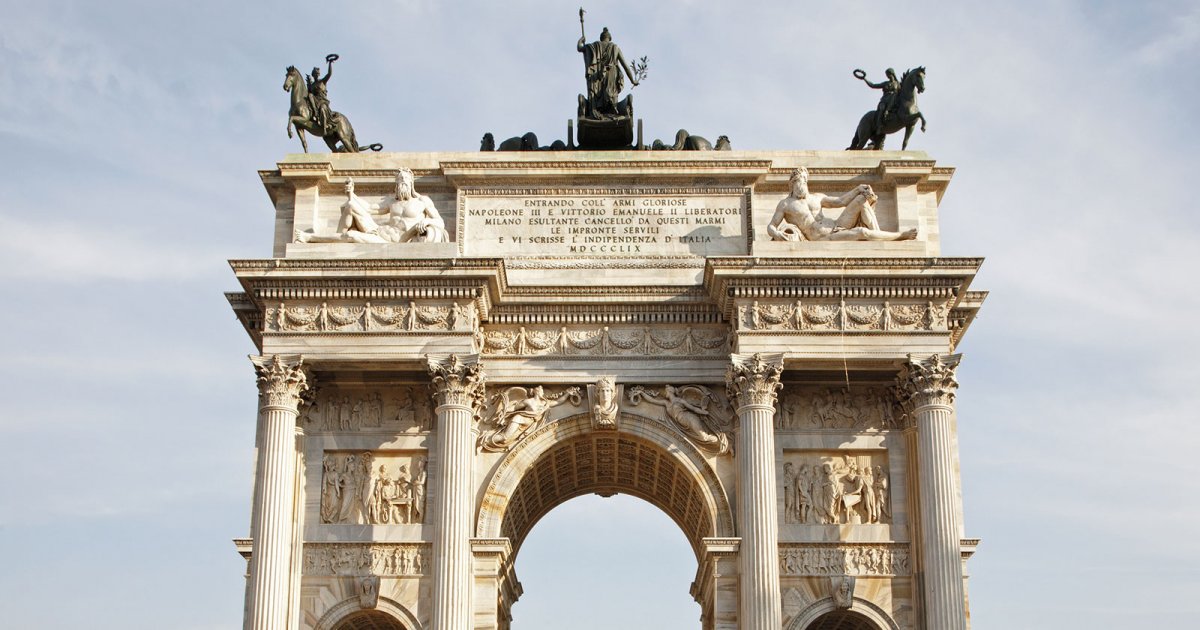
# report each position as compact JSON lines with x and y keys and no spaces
{"x":370,"y":620}
{"x":618,"y":560}
{"x":842,"y":620}
{"x":646,"y":459}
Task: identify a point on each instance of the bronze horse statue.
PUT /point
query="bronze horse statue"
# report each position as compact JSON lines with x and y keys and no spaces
{"x":904,"y":115}
{"x":338,"y":133}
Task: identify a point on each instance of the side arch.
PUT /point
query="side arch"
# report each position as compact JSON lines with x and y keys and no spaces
{"x":869,"y":610}
{"x":646,"y":459}
{"x":350,"y":606}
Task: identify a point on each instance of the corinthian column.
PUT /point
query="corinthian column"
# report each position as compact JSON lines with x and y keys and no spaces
{"x":752,"y":383}
{"x":458,"y":388}
{"x":926,"y":388}
{"x":282,"y":381}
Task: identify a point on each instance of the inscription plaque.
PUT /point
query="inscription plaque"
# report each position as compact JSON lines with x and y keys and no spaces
{"x":604,"y":222}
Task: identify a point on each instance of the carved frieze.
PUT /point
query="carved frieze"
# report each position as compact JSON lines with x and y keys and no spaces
{"x":362,"y":559}
{"x":843,"y":315}
{"x":605,"y":341}
{"x":399,"y":408}
{"x":868,"y":408}
{"x":282,"y":381}
{"x":693,"y":409}
{"x":366,"y":488}
{"x":411,"y":316}
{"x":839,"y":559}
{"x":836,"y":488}
{"x":513,"y":411}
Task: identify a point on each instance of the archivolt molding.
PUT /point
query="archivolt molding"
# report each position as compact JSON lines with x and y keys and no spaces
{"x":646,"y":457}
{"x":872,"y":612}
{"x":351,"y":605}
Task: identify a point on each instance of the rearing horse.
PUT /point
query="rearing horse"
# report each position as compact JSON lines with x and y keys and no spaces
{"x":905,"y":115}
{"x":339,"y":135}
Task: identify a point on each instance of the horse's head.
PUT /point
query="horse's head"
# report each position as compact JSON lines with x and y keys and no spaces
{"x":919,"y":79}
{"x":291,"y":79}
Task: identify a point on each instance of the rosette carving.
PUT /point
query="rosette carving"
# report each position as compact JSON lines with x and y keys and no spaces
{"x":926,"y":381}
{"x":456,"y":380}
{"x":754,"y":380}
{"x":283,"y":381}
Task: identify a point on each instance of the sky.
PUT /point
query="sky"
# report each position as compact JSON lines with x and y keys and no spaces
{"x":133,"y":133}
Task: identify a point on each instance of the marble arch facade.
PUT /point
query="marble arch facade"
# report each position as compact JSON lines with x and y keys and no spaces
{"x":604,"y":323}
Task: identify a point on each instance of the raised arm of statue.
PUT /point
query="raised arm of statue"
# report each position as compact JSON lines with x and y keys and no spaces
{"x":844,"y":200}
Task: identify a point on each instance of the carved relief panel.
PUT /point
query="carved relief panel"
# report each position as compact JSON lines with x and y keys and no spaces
{"x":836,"y":488}
{"x":397,"y":408}
{"x":617,"y":340}
{"x":840,"y":314}
{"x":356,"y":559}
{"x":514,"y":411}
{"x":839,"y":559}
{"x":704,"y":416}
{"x":361,"y":316}
{"x":373,"y":488}
{"x":810,"y":408}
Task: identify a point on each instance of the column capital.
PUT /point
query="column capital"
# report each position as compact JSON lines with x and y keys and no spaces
{"x":753,"y":379}
{"x":927,"y":381}
{"x":283,"y":380}
{"x":457,"y":380}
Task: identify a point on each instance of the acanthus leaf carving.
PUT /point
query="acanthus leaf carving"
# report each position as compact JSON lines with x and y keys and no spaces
{"x":929,"y":380}
{"x":457,"y":380}
{"x":283,"y":381}
{"x":754,"y":379}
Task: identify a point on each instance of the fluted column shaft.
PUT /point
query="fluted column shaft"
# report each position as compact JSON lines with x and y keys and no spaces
{"x":928,"y":385}
{"x":458,"y":386}
{"x":752,"y":384}
{"x":281,"y":381}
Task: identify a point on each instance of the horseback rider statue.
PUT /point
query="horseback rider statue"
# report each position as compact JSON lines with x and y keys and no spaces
{"x":310,"y":111}
{"x":890,"y":88}
{"x":897,"y":109}
{"x":318,"y":94}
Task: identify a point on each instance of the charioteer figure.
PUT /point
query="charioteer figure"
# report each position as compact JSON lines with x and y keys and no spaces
{"x":606,"y":119}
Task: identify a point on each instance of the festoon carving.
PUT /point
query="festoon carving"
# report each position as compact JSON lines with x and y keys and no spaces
{"x":927,"y":381}
{"x":283,"y":380}
{"x":754,"y":380}
{"x":456,"y":380}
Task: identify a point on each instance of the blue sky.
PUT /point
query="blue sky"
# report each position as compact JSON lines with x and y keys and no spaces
{"x":133,"y":132}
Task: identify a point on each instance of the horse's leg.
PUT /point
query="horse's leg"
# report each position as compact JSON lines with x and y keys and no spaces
{"x":303,"y":140}
{"x":289,"y":126}
{"x":907,"y":135}
{"x":332,"y":141}
{"x":922,"y":117}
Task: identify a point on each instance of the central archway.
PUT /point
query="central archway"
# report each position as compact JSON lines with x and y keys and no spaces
{"x":568,"y":458}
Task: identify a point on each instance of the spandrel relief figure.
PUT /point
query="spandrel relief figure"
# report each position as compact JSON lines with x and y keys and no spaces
{"x":801,"y":216}
{"x":517,"y":409}
{"x":688,"y":408}
{"x":409,"y":218}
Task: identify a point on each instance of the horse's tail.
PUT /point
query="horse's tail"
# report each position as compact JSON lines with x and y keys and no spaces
{"x":371,"y":147}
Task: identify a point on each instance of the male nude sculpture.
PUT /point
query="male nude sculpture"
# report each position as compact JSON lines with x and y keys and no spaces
{"x":800,"y":216}
{"x":411,"y":218}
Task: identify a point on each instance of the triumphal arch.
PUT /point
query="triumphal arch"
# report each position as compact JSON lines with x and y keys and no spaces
{"x":761,"y":344}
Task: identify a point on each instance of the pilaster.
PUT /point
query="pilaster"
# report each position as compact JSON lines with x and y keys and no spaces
{"x":752,"y":383}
